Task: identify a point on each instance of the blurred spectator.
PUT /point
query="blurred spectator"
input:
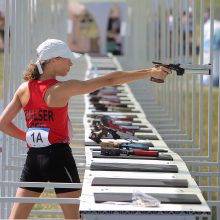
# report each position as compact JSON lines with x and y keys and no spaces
{"x":83,"y":30}
{"x":2,"y":24}
{"x":216,"y":47}
{"x":187,"y":22}
{"x":113,"y":31}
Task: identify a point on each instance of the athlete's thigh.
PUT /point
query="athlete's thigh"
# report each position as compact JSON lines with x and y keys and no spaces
{"x":70,"y":211}
{"x":22,"y":210}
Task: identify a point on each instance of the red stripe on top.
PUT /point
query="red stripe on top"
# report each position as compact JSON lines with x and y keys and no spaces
{"x":39,"y":114}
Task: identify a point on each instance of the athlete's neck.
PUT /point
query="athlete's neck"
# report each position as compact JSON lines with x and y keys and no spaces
{"x":45,"y":77}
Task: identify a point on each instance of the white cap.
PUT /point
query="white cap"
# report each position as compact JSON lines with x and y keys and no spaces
{"x":52,"y":48}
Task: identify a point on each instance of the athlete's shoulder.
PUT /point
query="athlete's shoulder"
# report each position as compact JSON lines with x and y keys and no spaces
{"x":71,"y":82}
{"x":22,"y":88}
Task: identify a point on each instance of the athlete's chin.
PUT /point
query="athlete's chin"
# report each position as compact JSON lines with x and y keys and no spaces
{"x":64,"y":73}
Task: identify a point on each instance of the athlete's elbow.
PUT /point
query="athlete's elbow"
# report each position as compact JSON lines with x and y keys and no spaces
{"x":3,"y":124}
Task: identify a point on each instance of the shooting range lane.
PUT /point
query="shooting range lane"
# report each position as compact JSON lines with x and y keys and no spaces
{"x":101,"y":197}
{"x":97,"y":154}
{"x":125,"y":155}
{"x":103,"y":181}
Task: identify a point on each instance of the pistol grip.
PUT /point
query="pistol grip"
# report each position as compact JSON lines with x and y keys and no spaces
{"x":156,"y":80}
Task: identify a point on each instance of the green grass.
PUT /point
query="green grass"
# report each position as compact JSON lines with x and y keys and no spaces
{"x":205,"y":119}
{"x":214,"y":137}
{"x":43,"y":206}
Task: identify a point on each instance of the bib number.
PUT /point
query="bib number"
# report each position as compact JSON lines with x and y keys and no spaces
{"x":38,"y":137}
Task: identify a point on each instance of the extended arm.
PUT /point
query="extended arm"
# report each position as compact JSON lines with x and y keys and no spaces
{"x":70,"y":88}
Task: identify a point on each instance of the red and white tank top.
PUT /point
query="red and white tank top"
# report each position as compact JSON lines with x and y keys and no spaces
{"x":46,"y":125}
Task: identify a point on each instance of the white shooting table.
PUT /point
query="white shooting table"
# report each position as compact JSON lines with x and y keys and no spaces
{"x":91,"y":210}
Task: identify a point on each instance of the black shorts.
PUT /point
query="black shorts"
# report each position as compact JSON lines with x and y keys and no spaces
{"x":54,"y":163}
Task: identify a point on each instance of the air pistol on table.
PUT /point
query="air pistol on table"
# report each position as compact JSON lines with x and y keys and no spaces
{"x":184,"y":68}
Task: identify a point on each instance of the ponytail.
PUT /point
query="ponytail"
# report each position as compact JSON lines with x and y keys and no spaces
{"x":32,"y":72}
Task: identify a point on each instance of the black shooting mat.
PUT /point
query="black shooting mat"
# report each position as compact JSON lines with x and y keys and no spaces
{"x":109,"y":102}
{"x":164,"y":198}
{"x":119,"y":93}
{"x":108,"y":96}
{"x":113,"y":105}
{"x":115,"y":110}
{"x":119,"y":107}
{"x":137,"y":129}
{"x":131,"y":125}
{"x":92,"y":143}
{"x":93,"y":115}
{"x":160,"y":150}
{"x":97,"y":154}
{"x":119,"y":121}
{"x":146,"y":137}
{"x":104,"y":181}
{"x":140,"y":136}
{"x":162,"y":168}
{"x":123,"y":123}
{"x":127,"y":123}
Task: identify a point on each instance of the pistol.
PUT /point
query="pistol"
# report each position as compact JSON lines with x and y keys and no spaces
{"x":180,"y":69}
